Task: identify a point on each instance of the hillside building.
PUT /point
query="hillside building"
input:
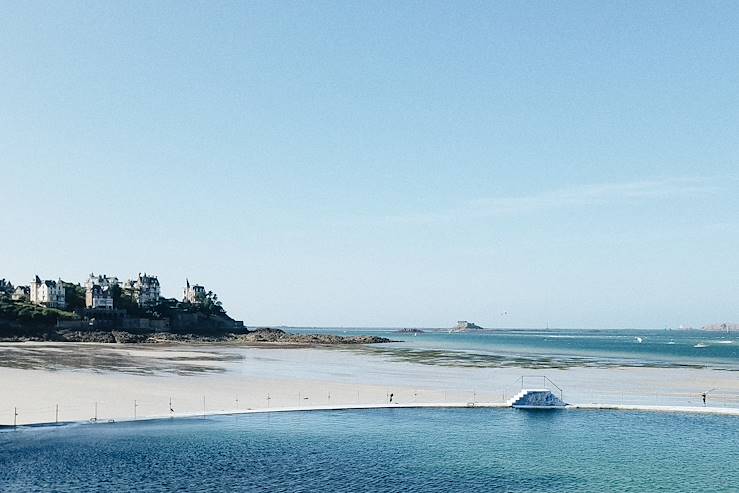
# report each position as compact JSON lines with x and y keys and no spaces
{"x":98,"y":292}
{"x":144,"y":290}
{"x":21,"y":293}
{"x":47,"y":293}
{"x":193,"y":294}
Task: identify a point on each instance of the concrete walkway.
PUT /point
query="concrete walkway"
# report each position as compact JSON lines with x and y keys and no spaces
{"x":726,"y":411}
{"x":420,"y":405}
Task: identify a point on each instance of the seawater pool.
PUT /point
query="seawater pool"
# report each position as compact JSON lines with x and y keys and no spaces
{"x":382,"y":451}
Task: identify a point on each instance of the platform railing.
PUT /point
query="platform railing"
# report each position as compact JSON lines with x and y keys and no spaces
{"x":546,"y":383}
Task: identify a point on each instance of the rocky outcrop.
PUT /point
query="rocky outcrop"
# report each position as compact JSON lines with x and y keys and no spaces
{"x":99,"y":336}
{"x":259,"y":336}
{"x":280,"y":336}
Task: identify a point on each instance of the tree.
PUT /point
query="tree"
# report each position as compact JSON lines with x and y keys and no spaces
{"x":74,"y":295}
{"x":6,"y":287}
{"x":123,"y":299}
{"x":209,"y":304}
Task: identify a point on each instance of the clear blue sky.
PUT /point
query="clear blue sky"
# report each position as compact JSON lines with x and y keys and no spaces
{"x":383,"y":164}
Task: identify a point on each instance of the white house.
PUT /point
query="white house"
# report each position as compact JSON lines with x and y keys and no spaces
{"x":21,"y":293}
{"x":98,"y":293}
{"x":144,"y":289}
{"x":47,"y":293}
{"x":193,"y":294}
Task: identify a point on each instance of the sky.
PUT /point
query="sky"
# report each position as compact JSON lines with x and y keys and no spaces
{"x":516,"y":164}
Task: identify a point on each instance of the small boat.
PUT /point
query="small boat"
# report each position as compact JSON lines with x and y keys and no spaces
{"x":700,"y":344}
{"x":639,"y":340}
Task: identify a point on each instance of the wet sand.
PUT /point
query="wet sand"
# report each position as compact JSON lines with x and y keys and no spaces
{"x":120,"y":380}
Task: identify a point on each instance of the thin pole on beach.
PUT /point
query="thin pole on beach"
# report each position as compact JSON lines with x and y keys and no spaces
{"x":15,"y":417}
{"x":56,"y":414}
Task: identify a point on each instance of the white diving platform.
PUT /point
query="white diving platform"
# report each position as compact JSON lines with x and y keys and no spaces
{"x":540,"y":397}
{"x":536,"y":399}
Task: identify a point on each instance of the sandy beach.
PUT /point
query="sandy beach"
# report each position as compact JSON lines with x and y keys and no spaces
{"x":47,"y":382}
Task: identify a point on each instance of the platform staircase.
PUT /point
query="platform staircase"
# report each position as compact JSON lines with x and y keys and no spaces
{"x":541,"y":397}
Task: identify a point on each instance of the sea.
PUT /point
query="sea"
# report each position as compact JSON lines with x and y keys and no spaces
{"x":382,"y":450}
{"x":415,"y":450}
{"x":557,"y":348}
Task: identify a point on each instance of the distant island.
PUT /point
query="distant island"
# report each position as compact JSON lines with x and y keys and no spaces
{"x":108,"y":311}
{"x":464,"y":325}
{"x":721,"y":327}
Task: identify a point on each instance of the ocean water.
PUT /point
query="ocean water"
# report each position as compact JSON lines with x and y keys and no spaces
{"x":444,"y":450}
{"x":560,"y":348}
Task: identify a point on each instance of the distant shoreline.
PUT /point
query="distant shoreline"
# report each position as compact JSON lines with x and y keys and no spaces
{"x":406,"y":329}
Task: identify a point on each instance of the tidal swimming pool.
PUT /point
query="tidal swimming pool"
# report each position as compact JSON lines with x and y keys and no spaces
{"x":382,"y":450}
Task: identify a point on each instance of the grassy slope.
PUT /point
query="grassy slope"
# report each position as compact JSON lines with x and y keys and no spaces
{"x":22,"y":311}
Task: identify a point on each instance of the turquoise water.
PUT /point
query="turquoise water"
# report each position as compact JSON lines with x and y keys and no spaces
{"x":444,"y":450}
{"x":560,"y":348}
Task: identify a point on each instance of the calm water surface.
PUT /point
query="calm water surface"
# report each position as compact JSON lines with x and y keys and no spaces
{"x":382,"y":450}
{"x":561,"y":348}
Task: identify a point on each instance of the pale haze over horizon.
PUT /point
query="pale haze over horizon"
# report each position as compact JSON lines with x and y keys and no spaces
{"x":381,"y":164}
